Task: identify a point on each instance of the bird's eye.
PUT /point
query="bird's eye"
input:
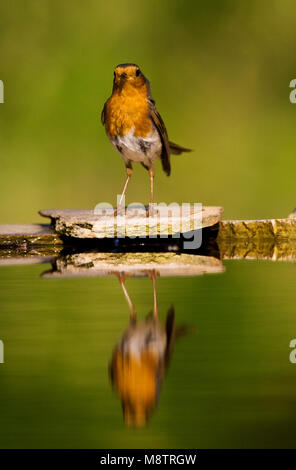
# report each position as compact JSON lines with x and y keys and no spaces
{"x":138,"y":71}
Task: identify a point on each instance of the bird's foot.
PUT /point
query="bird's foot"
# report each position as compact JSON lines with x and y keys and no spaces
{"x":151,"y":211}
{"x":119,"y":211}
{"x":152,"y":273}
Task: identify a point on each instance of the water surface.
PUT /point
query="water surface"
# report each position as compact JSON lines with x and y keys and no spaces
{"x":229,"y":382}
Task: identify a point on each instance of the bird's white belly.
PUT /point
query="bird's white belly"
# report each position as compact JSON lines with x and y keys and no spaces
{"x":144,"y":337}
{"x":139,"y":149}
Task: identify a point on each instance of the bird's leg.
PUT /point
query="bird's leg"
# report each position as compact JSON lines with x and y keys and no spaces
{"x":129,"y":172}
{"x":121,"y":277}
{"x":155,"y":307}
{"x":151,"y":205}
{"x":152,"y":274}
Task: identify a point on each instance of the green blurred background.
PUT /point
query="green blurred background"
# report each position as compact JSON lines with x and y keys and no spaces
{"x":220,"y":74}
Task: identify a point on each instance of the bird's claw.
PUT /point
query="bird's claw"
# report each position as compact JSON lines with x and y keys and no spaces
{"x":118,"y":211}
{"x":151,"y":211}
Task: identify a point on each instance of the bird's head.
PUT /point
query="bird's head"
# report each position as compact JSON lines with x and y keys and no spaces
{"x":128,"y":75}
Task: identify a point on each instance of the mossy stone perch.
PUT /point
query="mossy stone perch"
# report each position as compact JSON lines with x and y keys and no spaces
{"x":84,"y":224}
{"x":26,"y":235}
{"x":267,"y":229}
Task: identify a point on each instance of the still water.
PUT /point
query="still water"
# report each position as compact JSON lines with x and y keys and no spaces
{"x":216,"y":368}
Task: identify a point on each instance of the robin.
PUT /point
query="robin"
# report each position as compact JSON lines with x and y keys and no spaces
{"x":141,"y":358}
{"x":135,"y":127}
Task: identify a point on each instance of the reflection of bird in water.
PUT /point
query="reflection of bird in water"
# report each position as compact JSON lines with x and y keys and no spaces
{"x":140,"y":360}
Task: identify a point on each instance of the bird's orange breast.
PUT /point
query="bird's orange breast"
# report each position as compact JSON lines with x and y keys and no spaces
{"x":125,"y":110}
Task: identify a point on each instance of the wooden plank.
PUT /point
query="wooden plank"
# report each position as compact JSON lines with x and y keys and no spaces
{"x":167,"y":221}
{"x":134,"y":264}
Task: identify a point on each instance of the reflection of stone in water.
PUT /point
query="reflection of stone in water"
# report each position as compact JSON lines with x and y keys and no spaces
{"x":96,"y":263}
{"x":140,"y":360}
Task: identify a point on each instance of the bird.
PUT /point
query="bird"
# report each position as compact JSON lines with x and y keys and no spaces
{"x":135,"y":127}
{"x":141,"y":358}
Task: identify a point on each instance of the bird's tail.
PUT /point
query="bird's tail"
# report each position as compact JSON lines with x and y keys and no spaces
{"x":177,"y":149}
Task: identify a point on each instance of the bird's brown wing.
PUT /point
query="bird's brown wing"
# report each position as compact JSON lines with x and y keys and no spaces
{"x":103,"y":114}
{"x":159,"y":124}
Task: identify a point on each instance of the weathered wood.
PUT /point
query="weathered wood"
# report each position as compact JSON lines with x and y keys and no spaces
{"x":26,"y":235}
{"x":134,"y":264}
{"x":167,"y":221}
